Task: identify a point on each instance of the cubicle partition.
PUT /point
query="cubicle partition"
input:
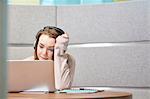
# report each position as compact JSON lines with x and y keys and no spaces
{"x":110,"y":42}
{"x":3,"y":40}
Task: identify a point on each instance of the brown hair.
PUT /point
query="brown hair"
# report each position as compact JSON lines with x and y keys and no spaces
{"x":52,"y":32}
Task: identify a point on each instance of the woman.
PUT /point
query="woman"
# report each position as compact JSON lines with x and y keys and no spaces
{"x":51,"y":44}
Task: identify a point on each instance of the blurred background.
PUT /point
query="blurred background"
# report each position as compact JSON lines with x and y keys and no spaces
{"x":110,"y":39}
{"x":59,"y":2}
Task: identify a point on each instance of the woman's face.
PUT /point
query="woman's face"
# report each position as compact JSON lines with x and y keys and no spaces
{"x":45,"y":47}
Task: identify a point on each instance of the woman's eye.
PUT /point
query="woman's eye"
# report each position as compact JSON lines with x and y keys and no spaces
{"x":41,"y":46}
{"x":50,"y":49}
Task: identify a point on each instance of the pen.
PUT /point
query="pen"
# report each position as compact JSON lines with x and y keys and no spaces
{"x":90,"y":89}
{"x":83,"y":89}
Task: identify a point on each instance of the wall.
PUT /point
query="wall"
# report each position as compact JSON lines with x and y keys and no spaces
{"x":109,"y":40}
{"x":149,"y":16}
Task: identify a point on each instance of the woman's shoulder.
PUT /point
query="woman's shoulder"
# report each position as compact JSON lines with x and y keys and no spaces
{"x":29,"y":58}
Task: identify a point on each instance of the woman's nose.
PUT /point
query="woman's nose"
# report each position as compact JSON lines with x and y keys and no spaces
{"x":44,"y":52}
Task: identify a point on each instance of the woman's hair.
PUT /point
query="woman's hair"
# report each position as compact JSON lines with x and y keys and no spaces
{"x":52,"y":32}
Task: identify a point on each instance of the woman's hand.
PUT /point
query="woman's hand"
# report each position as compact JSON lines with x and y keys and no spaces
{"x":62,"y":43}
{"x":64,"y":38}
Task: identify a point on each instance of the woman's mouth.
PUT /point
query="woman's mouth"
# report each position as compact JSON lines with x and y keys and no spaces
{"x":44,"y":58}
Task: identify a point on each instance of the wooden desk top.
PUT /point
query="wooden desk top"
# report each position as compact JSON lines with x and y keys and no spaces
{"x":102,"y":95}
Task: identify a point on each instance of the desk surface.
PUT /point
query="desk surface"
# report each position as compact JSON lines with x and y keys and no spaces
{"x":103,"y":95}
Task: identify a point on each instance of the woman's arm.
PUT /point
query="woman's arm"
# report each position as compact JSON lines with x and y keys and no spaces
{"x":64,"y":64}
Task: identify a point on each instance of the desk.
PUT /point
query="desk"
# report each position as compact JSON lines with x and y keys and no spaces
{"x":102,"y":95}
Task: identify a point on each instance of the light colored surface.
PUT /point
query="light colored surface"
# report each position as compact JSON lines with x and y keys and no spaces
{"x":25,"y":21}
{"x":124,"y":65}
{"x":149,"y":17}
{"x":119,"y":24}
{"x":20,"y":52}
{"x":116,"y":22}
